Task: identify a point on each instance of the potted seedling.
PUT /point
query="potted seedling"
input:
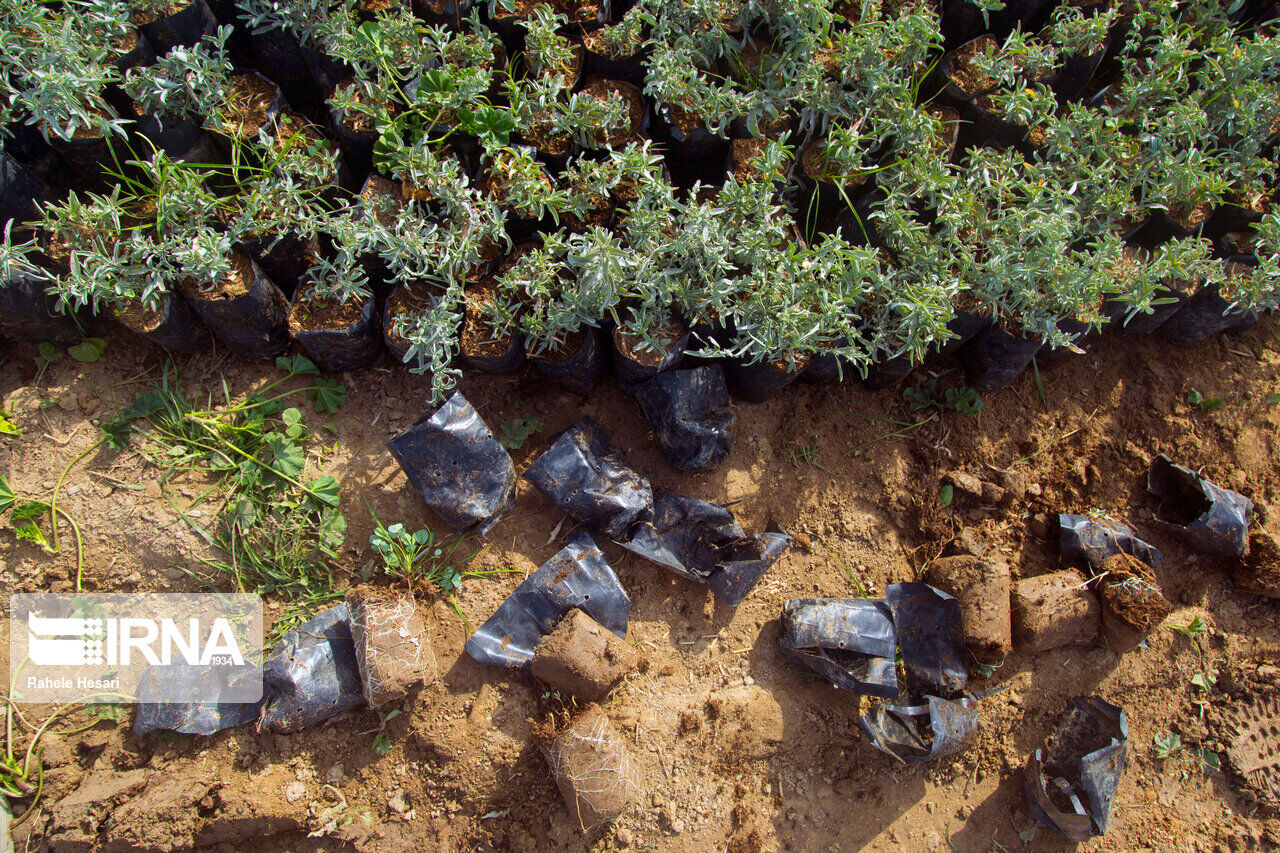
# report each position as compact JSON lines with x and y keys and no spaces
{"x":177,"y":92}
{"x":522,"y":188}
{"x":168,"y":25}
{"x":333,"y":316}
{"x":296,"y":44}
{"x":29,"y":308}
{"x":616,"y":52}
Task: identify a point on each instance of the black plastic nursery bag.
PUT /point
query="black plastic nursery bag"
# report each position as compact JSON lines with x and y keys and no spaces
{"x":457,"y":466}
{"x":631,"y":373}
{"x":690,"y":415}
{"x":576,"y":577}
{"x":353,"y":347}
{"x":849,"y":641}
{"x":931,"y":636}
{"x":1213,"y":519}
{"x":175,"y":326}
{"x":312,"y":673}
{"x":917,"y":733}
{"x":579,"y":370}
{"x":254,"y":325}
{"x":28,"y":313}
{"x":586,"y":476}
{"x":1094,"y":538}
{"x":192,"y":717}
{"x":1071,"y":786}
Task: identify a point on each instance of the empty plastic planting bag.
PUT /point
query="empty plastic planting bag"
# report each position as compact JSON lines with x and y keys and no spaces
{"x":576,"y":577}
{"x":1095,"y":537}
{"x":917,"y":733}
{"x":1072,"y":784}
{"x":690,"y":415}
{"x":587,"y":477}
{"x":848,"y":641}
{"x":458,"y":467}
{"x":1213,"y":519}
{"x":312,"y":673}
{"x":191,"y":717}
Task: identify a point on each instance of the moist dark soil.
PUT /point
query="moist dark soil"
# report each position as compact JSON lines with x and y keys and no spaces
{"x":1128,"y":591}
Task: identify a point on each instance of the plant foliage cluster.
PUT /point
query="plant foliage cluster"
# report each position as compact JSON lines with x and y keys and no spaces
{"x":516,"y":154}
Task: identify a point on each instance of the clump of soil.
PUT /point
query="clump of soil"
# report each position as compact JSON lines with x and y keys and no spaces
{"x":603,"y":91}
{"x":233,"y":285}
{"x":593,"y":769}
{"x":477,"y":333}
{"x":391,"y":644}
{"x":982,"y":588}
{"x":249,"y":99}
{"x":313,"y":312}
{"x":1259,"y":572}
{"x":1054,"y":610}
{"x":1132,"y":603}
{"x":964,"y":75}
{"x":582,"y":657}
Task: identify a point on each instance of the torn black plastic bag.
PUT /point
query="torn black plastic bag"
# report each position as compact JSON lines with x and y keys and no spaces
{"x":199,"y":713}
{"x":586,"y":476}
{"x":703,"y":542}
{"x":312,"y":674}
{"x":931,"y":637}
{"x":690,"y":415}
{"x":28,"y":312}
{"x":1072,"y":788}
{"x":578,"y":576}
{"x":457,"y":466}
{"x":1094,"y":538}
{"x":917,"y":733}
{"x":849,"y":641}
{"x":1213,"y":519}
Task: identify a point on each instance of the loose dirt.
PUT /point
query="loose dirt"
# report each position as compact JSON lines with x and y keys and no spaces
{"x":737,"y":748}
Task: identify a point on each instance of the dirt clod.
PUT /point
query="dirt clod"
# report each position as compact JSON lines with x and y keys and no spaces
{"x":982,"y":588}
{"x":1054,"y":610}
{"x":1132,"y":604}
{"x":582,"y":657}
{"x":1259,"y":572}
{"x":391,"y":645}
{"x":593,"y":769}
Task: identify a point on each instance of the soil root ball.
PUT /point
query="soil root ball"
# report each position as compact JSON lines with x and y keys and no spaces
{"x":690,"y":415}
{"x":312,"y":674}
{"x":1132,"y":604}
{"x":586,"y":476}
{"x":1054,"y":610}
{"x":982,"y":588}
{"x":583,"y":658}
{"x":1213,"y":519}
{"x":1071,"y":786}
{"x":1094,"y":538}
{"x":576,"y":577}
{"x":917,"y":733}
{"x":391,"y":645}
{"x":850,"y":642}
{"x":1259,"y":572}
{"x":457,"y":466}
{"x":594,"y":770}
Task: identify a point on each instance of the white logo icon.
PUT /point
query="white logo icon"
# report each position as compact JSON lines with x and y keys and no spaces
{"x":64,"y":642}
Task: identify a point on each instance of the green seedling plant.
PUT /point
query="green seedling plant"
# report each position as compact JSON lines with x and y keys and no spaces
{"x":961,"y":399}
{"x":1170,"y":747}
{"x":514,"y":433}
{"x":1202,"y":404}
{"x":381,"y":740}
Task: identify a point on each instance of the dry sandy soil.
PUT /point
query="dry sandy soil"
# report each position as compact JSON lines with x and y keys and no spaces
{"x":739,"y":749}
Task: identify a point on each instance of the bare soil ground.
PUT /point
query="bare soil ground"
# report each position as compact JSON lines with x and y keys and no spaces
{"x":739,"y":750}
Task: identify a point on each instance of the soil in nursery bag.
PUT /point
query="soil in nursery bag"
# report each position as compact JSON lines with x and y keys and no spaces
{"x":312,"y":674}
{"x":481,"y":350}
{"x":851,"y":642}
{"x":703,"y":542}
{"x":20,"y":191}
{"x":962,"y":20}
{"x":197,"y":715}
{"x":587,"y":477}
{"x":594,"y":770}
{"x":1212,"y":519}
{"x":1132,"y":604}
{"x":1071,"y":785}
{"x":391,"y":644}
{"x":457,"y":466}
{"x":1094,"y":538}
{"x":994,"y":358}
{"x":576,"y":577}
{"x":28,"y":312}
{"x":174,"y":326}
{"x":336,"y":335}
{"x":690,"y":415}
{"x":244,"y":310}
{"x":762,"y":380}
{"x":285,"y":258}
{"x":403,"y":302}
{"x":692,"y":152}
{"x":578,"y":364}
{"x":637,"y":124}
{"x":583,"y":658}
{"x":917,"y":733}
{"x":930,"y":638}
{"x":186,"y":26}
{"x":88,"y":155}
{"x":1259,"y":570}
{"x":981,"y":585}
{"x":633,"y":363}
{"x":253,"y":104}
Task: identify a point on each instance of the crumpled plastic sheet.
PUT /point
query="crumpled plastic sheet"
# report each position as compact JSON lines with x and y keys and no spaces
{"x":1094,"y":538}
{"x":690,"y":414}
{"x":187,"y":716}
{"x":457,"y":466}
{"x":931,"y":636}
{"x":1213,"y":519}
{"x":576,"y":577}
{"x":703,"y":542}
{"x":586,"y":476}
{"x":312,"y":673}
{"x":849,"y":641}
{"x":900,"y":730}
{"x":1084,"y":763}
